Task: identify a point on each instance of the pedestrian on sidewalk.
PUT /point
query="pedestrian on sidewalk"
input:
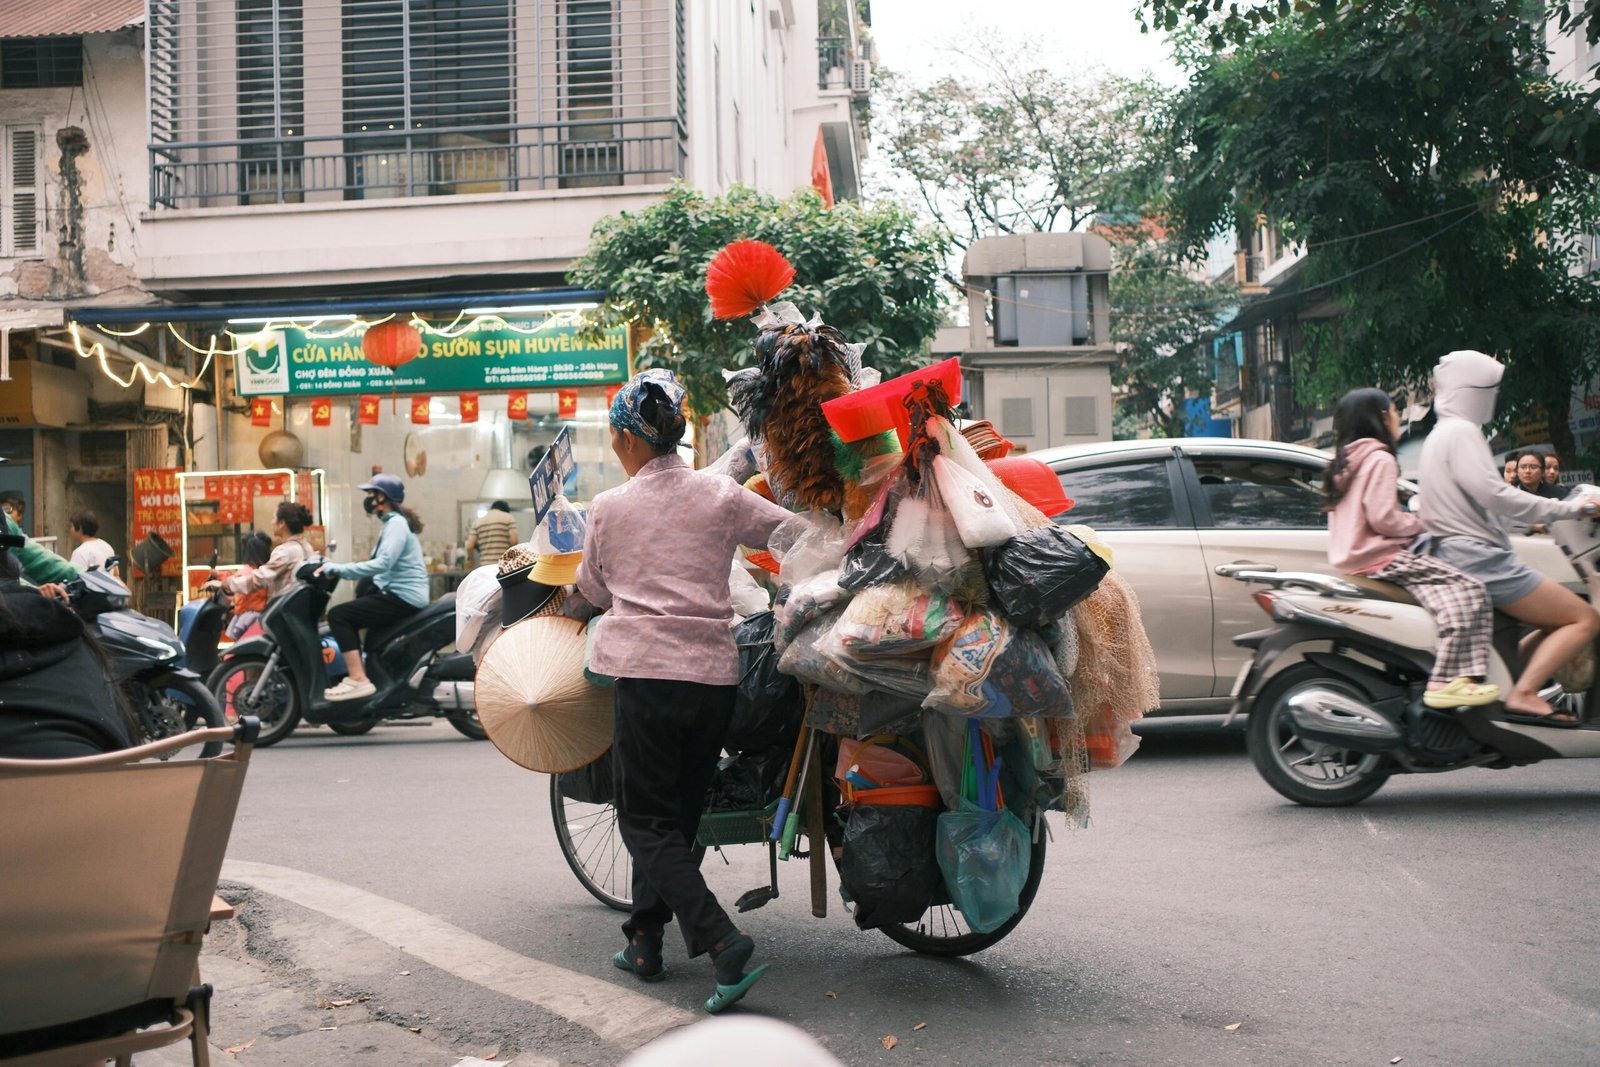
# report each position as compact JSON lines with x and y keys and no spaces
{"x":92,"y":551}
{"x":655,"y":560}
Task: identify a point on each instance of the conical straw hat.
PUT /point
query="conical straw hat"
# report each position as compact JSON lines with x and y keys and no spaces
{"x":534,"y":702}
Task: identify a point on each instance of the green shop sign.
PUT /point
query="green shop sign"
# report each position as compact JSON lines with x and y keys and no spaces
{"x":489,"y":355}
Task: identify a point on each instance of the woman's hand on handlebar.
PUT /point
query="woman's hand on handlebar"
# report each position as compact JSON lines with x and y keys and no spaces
{"x":55,"y":591}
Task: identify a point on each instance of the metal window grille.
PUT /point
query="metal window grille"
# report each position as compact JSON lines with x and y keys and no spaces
{"x":21,"y":192}
{"x":258,"y":101}
{"x":41,"y":62}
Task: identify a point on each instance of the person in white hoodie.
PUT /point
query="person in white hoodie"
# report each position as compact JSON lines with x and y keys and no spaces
{"x":1465,"y":504}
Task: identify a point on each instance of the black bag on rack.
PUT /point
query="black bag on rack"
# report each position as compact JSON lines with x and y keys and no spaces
{"x":889,"y":867}
{"x":1040,"y":573}
{"x":593,"y":783}
{"x":768,"y":704}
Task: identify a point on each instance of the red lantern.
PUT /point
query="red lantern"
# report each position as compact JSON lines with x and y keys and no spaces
{"x":392,"y":343}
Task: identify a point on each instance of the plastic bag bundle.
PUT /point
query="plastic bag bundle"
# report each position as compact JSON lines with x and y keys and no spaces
{"x":807,"y":600}
{"x":924,"y":538}
{"x":478,"y":611}
{"x":888,"y":865}
{"x":895,"y":620}
{"x":908,"y":675}
{"x":860,"y":714}
{"x":983,"y":849}
{"x":805,"y":659}
{"x":807,"y":545}
{"x":990,"y":668}
{"x":1041,"y":573}
{"x":1116,"y":681}
{"x":867,"y":562}
{"x":767,"y":703}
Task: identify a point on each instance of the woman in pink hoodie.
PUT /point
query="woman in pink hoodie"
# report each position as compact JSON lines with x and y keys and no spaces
{"x":1370,"y":535}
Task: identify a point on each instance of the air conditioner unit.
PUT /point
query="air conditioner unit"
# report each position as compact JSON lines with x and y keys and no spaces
{"x":860,"y":76}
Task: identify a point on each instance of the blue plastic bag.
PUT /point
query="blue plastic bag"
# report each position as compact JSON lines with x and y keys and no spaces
{"x":984,"y":857}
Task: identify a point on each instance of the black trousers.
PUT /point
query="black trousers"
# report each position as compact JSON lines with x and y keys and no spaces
{"x":364,"y":612}
{"x":668,"y":738}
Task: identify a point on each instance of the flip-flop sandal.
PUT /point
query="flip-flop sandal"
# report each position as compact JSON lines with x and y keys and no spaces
{"x":1556,"y":720}
{"x":727,"y":995}
{"x":623,"y":962}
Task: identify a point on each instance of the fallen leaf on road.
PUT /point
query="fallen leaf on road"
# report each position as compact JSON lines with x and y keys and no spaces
{"x":1233,"y":1026}
{"x":404,"y":973}
{"x":364,"y":997}
{"x":1397,"y":1059}
{"x":920,"y":1026}
{"x":235,"y":1050}
{"x":327,"y":1028}
{"x":334,"y":1003}
{"x":831,"y":995}
{"x":889,"y":1042}
{"x":415,"y":1029}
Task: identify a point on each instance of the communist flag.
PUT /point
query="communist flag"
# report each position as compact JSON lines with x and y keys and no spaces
{"x":368,"y":411}
{"x":517,"y":404}
{"x":419,"y":410}
{"x":469,"y":407}
{"x":322,"y":412}
{"x":261,"y":411}
{"x":567,"y":404}
{"x":821,"y":177}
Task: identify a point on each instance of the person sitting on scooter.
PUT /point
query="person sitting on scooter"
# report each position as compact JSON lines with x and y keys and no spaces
{"x":655,"y":559}
{"x":1369,"y":535}
{"x":276,"y":575}
{"x":1465,"y":505}
{"x":398,"y":574}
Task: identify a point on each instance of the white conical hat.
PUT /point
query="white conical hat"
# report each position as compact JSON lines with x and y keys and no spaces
{"x":534,"y":702}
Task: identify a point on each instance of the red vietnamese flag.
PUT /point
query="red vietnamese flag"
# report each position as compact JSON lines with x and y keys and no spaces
{"x":469,"y":407}
{"x":419,"y":410}
{"x":368,"y":414}
{"x":260,"y":411}
{"x":821,"y":174}
{"x":322,"y":412}
{"x":517,"y":404}
{"x":566,"y":404}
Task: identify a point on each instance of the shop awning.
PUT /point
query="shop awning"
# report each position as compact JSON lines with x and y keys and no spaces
{"x":62,"y":18}
{"x":384,"y":305}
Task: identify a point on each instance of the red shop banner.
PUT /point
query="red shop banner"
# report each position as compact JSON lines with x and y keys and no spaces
{"x":158,"y":509}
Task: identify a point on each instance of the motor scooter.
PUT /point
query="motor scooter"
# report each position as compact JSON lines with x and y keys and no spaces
{"x":201,"y":623}
{"x":280,"y":675}
{"x":1330,"y":730}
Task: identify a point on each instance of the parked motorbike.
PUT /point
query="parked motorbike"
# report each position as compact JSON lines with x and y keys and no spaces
{"x":146,"y":659}
{"x":280,"y":676}
{"x":201,"y":623}
{"x":1330,"y":730}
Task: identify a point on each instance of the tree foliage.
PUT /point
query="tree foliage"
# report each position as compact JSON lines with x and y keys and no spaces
{"x":1430,"y":215}
{"x":869,"y":270}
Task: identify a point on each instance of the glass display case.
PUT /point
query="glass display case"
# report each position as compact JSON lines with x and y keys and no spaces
{"x":221,"y":507}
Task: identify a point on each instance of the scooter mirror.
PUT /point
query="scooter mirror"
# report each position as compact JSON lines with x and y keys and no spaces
{"x":333,"y":546}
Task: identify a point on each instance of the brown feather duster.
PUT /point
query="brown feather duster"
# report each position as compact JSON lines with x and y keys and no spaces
{"x":809,"y":368}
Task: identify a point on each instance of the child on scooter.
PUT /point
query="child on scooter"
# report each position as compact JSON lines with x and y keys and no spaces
{"x":1370,"y":535}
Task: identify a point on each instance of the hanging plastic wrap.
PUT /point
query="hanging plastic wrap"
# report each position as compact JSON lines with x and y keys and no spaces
{"x":767,"y":704}
{"x":805,"y":659}
{"x":990,"y":668}
{"x":806,"y":545}
{"x":867,"y":562}
{"x":895,"y":620}
{"x":923,"y":537}
{"x":804,"y":602}
{"x":1116,"y":681}
{"x":478,"y":611}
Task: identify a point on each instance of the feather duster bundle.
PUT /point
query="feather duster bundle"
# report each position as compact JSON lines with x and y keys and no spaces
{"x":745,"y":275}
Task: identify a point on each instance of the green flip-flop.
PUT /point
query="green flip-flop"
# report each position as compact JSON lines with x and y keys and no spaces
{"x":727,"y":995}
{"x":622,"y":962}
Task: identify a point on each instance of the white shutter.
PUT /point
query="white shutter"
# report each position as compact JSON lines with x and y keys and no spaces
{"x":21,"y":193}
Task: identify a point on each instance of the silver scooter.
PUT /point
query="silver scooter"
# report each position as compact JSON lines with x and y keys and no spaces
{"x":1329,"y":730}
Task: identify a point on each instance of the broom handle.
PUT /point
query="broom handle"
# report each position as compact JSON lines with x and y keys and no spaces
{"x":812,"y":792}
{"x":791,"y":825}
{"x":787,"y":796}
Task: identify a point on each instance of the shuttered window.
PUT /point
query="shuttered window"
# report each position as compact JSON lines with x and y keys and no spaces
{"x":21,"y":192}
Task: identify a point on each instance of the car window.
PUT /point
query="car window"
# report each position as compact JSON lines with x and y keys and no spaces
{"x":1261,"y":494}
{"x":1127,"y":496}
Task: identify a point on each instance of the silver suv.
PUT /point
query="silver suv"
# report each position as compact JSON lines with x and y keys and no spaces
{"x":1172,"y":510}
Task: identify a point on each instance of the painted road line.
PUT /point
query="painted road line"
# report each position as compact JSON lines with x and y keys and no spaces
{"x":617,"y":1015}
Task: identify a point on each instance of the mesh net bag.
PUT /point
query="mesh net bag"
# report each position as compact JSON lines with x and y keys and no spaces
{"x":1116,"y":681}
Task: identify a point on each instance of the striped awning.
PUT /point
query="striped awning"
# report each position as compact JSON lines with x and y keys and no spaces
{"x":63,"y":18}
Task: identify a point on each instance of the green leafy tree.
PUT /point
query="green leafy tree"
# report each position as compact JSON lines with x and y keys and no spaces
{"x":870,"y":270}
{"x":1431,"y":220}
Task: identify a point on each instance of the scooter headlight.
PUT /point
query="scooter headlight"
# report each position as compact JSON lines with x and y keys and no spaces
{"x":165,"y":650}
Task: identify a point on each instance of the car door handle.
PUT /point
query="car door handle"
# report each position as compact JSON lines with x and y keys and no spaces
{"x":1228,"y":570}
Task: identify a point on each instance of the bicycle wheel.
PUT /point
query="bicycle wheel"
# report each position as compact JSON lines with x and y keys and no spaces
{"x":943,"y":932}
{"x":591,"y":843}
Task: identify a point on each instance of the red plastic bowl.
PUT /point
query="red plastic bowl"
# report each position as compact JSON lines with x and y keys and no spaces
{"x":858,"y":415}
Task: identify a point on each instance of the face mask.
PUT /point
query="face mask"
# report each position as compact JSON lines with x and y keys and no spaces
{"x":370,"y":504}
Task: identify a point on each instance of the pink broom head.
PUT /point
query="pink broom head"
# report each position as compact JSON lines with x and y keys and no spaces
{"x":745,"y":275}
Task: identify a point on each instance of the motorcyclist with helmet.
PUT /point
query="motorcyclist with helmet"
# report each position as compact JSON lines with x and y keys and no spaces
{"x":394,"y":582}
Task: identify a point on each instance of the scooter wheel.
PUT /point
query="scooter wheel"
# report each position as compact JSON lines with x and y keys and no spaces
{"x":352,"y":729}
{"x":1316,"y":774}
{"x":234,"y":685}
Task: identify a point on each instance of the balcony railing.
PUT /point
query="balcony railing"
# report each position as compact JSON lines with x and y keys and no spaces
{"x":833,"y":53}
{"x":382,"y":165}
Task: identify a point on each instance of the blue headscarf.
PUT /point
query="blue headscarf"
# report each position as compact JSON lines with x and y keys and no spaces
{"x":627,"y":409}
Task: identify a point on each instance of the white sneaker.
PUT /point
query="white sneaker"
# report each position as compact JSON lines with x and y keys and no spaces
{"x":349,"y":689}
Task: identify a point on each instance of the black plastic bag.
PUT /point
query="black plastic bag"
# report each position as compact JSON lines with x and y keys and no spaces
{"x":889,"y":867}
{"x":748,"y":781}
{"x":868,"y":563}
{"x":768,"y":704}
{"x":594,"y":783}
{"x":1037,"y":575}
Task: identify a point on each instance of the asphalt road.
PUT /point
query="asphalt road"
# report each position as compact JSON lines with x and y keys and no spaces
{"x":1450,"y":919}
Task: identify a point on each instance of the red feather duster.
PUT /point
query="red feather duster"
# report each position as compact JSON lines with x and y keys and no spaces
{"x":745,"y":275}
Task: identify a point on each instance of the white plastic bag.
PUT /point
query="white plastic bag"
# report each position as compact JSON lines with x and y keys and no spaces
{"x":477,"y":603}
{"x":976,"y":508}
